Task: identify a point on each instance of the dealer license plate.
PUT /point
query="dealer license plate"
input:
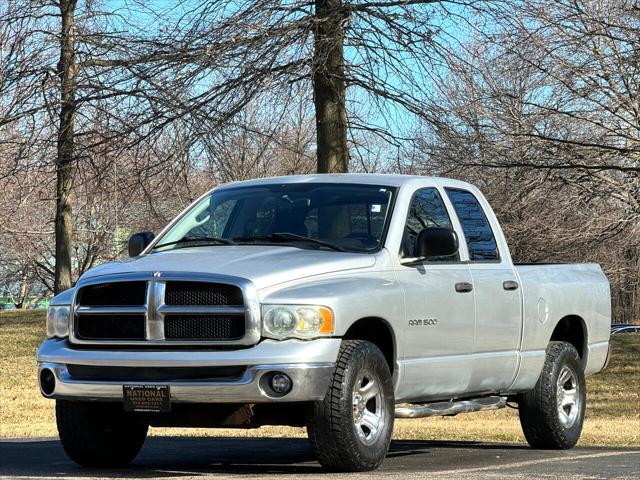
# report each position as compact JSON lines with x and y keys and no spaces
{"x":146,"y":398}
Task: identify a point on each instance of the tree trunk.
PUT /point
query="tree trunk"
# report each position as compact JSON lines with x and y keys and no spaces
{"x":329,"y":87}
{"x":67,"y":70}
{"x":23,"y":292}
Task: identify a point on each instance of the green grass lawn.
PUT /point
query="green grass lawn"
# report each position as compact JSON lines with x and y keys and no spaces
{"x":613,"y":407}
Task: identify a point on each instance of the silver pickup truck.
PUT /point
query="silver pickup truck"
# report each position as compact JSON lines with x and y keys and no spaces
{"x":335,"y":302}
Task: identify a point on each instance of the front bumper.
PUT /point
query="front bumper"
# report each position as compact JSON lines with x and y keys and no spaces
{"x":309,"y":364}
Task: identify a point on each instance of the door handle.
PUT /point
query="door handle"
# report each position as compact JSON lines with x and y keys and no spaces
{"x":463,"y":287}
{"x":510,"y":285}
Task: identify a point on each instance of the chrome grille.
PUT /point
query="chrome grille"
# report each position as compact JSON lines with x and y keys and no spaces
{"x":172,"y":310}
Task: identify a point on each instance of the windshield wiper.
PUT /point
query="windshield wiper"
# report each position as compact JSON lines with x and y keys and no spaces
{"x":288,"y":237}
{"x":204,"y":240}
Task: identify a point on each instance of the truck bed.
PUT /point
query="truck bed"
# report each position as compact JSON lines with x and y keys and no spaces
{"x":555,"y":291}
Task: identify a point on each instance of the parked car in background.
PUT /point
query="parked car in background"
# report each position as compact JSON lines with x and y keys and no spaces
{"x":627,"y":329}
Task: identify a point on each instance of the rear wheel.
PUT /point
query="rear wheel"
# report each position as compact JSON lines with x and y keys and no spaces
{"x":350,"y":430}
{"x":99,"y":434}
{"x":552,"y":413}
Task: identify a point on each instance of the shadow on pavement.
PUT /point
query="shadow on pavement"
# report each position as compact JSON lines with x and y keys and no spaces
{"x":184,"y":456}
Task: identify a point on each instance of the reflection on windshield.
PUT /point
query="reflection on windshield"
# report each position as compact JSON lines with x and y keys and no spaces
{"x":346,"y":217}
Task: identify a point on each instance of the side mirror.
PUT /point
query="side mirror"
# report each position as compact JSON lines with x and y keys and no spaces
{"x":435,"y":242}
{"x":139,"y":241}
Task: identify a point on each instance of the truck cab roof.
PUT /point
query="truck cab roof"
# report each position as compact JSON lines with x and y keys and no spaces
{"x":391,"y":180}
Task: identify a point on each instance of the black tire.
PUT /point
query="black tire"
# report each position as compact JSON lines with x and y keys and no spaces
{"x":99,"y":434}
{"x":337,"y":441}
{"x":543,"y":423}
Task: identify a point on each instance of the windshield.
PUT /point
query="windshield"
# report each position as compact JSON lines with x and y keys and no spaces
{"x":346,"y":217}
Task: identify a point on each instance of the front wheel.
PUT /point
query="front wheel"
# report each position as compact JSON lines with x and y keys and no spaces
{"x":552,"y":413}
{"x":350,"y":430}
{"x":99,"y":434}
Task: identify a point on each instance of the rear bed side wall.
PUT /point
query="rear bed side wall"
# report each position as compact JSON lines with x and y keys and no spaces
{"x":553,"y":293}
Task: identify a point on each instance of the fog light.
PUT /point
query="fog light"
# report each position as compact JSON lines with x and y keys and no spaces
{"x":47,"y":381}
{"x":280,"y":383}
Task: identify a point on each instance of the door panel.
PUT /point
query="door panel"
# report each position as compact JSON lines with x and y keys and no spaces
{"x":498,"y":327}
{"x":438,"y":332}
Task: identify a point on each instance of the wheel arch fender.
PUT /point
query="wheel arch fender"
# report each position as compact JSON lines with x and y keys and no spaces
{"x":378,"y":331}
{"x":572,"y":329}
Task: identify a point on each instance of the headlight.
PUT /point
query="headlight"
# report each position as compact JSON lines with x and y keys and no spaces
{"x":58,"y":321}
{"x":301,"y":321}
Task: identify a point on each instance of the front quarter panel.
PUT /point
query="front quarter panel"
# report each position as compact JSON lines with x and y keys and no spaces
{"x":351,"y":297}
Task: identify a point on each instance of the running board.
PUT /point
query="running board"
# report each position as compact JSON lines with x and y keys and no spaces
{"x":450,"y":408}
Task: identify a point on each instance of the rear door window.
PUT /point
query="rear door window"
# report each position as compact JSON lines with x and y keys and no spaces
{"x":477,"y":231}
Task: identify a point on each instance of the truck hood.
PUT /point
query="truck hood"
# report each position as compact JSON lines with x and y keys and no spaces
{"x":265,"y":266}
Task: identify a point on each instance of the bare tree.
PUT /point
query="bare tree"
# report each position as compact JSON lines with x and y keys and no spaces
{"x":86,"y":95}
{"x":68,"y":72}
{"x":542,"y":112}
{"x":329,"y":86}
{"x":124,"y":116}
{"x":124,"y":86}
{"x":345,"y":53}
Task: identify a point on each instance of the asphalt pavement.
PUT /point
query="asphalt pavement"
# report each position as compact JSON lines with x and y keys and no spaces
{"x":221,"y":458}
